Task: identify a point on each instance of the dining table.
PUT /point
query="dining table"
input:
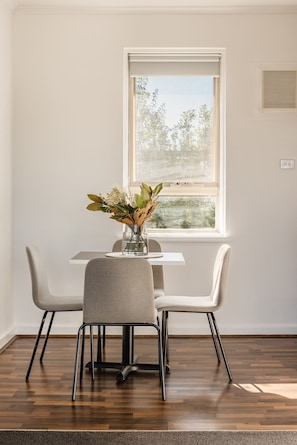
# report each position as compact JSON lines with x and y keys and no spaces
{"x":128,"y":361}
{"x":154,"y":258}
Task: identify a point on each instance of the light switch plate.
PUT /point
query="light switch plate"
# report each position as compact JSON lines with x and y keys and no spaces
{"x":287,"y":163}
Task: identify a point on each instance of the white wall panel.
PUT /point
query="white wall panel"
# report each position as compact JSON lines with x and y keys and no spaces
{"x":6,"y":291}
{"x":68,"y":80}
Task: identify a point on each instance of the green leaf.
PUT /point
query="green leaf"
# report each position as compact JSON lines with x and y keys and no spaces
{"x":94,"y":206}
{"x":157,"y":189}
{"x":146,"y":187}
{"x":139,"y":201}
{"x":123,"y":208}
{"x":95,"y":198}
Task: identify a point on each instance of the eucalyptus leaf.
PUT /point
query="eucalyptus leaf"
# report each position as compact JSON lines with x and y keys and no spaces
{"x":157,"y":189}
{"x":94,"y":206}
{"x":95,"y":198}
{"x":147,"y":188}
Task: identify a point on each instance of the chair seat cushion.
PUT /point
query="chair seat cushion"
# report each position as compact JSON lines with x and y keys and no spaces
{"x":184,"y":304}
{"x":62,"y":303}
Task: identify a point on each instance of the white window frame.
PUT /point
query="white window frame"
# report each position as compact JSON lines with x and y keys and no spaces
{"x":184,"y":234}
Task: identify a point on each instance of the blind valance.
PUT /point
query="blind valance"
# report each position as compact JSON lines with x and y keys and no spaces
{"x":175,"y":64}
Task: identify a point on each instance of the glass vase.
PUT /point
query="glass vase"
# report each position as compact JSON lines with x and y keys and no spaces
{"x":135,"y":242}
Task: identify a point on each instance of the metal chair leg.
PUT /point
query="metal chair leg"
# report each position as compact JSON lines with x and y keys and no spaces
{"x":92,"y":352}
{"x":103,"y":336}
{"x":213,"y":336}
{"x":221,"y":346}
{"x":165,"y":340}
{"x":132,"y":344}
{"x":82,"y":355}
{"x":161,"y":362}
{"x":99,"y":346}
{"x":78,"y":341}
{"x":47,"y":336}
{"x":36,"y":344}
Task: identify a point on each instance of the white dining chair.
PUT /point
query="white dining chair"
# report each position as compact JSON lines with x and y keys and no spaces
{"x":158,"y":276}
{"x":201,"y":304}
{"x":118,"y":292}
{"x":154,"y":246}
{"x":45,"y":300}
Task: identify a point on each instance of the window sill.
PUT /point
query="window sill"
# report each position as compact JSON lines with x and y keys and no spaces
{"x":175,"y":237}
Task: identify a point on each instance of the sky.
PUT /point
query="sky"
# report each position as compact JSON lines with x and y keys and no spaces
{"x":181,"y":94}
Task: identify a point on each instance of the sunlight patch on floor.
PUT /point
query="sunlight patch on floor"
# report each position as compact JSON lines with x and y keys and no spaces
{"x":288,"y":390}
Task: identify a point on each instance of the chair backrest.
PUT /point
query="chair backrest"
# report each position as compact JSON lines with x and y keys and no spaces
{"x":220,"y":272}
{"x":154,"y":246}
{"x":118,"y":291}
{"x":40,"y":290}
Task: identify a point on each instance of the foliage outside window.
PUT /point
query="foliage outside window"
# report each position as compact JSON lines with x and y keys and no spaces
{"x":174,"y":137}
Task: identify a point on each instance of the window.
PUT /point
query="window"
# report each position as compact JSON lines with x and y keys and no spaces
{"x":175,"y":136}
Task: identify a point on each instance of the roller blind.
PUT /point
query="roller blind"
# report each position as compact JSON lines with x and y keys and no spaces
{"x":184,"y":64}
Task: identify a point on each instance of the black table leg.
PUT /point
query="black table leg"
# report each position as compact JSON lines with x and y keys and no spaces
{"x":128,"y":359}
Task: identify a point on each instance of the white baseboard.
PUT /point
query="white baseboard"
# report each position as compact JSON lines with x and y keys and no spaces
{"x":175,"y":329}
{"x":242,"y":329}
{"x":6,"y":338}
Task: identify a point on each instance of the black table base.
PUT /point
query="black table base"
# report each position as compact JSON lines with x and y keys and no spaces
{"x":129,"y":361}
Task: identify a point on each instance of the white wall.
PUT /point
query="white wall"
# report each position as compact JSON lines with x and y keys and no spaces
{"x":6,"y":291}
{"x":68,"y":123}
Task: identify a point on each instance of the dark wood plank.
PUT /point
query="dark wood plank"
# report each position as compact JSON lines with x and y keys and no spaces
{"x":262,"y":396}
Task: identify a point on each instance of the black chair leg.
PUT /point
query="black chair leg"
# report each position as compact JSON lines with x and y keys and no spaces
{"x":103,"y":336}
{"x":81,"y":333}
{"x":99,"y":345}
{"x":221,"y":346}
{"x":161,"y":362}
{"x":36,"y":344}
{"x":165,"y":340}
{"x":92,"y":352}
{"x":132,"y":344}
{"x":47,"y":336}
{"x":213,"y":336}
{"x":82,"y":355}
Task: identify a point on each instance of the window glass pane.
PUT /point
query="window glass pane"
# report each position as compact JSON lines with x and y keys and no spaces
{"x":174,"y":129}
{"x":184,"y":212}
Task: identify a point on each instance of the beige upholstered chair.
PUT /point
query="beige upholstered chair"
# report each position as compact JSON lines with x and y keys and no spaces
{"x":118,"y":292}
{"x":154,"y":246}
{"x":201,"y":304}
{"x":44,"y":300}
{"x":158,"y":276}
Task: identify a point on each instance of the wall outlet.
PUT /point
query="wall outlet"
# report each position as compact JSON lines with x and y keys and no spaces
{"x":287,"y":163}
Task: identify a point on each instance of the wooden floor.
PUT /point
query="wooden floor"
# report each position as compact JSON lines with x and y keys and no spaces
{"x":262,"y":396}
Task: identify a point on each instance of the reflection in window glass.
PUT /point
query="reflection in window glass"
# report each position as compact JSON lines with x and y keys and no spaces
{"x":174,"y":129}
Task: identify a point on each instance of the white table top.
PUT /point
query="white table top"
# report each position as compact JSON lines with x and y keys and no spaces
{"x":167,"y":258}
